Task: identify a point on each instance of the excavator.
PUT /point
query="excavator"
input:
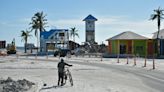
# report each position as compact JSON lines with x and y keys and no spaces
{"x":11,"y":48}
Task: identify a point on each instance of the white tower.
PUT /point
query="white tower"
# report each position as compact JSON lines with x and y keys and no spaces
{"x":90,"y":28}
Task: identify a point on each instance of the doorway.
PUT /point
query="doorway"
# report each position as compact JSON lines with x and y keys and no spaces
{"x":122,"y":49}
{"x":162,"y":47}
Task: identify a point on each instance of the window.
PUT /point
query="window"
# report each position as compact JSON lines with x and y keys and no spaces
{"x":52,"y":37}
{"x":61,"y":34}
{"x":89,"y":22}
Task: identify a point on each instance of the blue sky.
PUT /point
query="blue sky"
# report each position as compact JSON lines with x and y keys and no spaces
{"x":114,"y":16}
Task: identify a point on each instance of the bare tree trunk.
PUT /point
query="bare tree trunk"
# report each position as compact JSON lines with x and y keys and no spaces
{"x":25,"y":47}
{"x":158,"y":42}
{"x":40,"y":40}
{"x":74,"y":41}
{"x":158,"y":38}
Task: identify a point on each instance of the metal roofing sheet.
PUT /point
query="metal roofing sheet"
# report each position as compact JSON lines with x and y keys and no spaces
{"x":128,"y":35}
{"x":90,"y":17}
{"x":46,"y":34}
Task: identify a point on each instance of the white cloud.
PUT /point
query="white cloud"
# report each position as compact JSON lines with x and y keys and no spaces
{"x":3,"y":23}
{"x":25,"y":20}
{"x":66,"y":23}
{"x":108,"y":20}
{"x":120,"y":24}
{"x":125,"y":23}
{"x":111,"y":22}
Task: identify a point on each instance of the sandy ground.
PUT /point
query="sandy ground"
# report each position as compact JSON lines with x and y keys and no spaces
{"x":86,"y":78}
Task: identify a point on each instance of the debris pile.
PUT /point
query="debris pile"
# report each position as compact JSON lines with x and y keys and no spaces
{"x":9,"y":85}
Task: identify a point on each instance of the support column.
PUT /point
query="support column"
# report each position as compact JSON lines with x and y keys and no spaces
{"x":118,"y":47}
{"x":146,"y":47}
{"x":132,"y":46}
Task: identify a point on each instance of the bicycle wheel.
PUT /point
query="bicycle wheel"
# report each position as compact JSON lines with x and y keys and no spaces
{"x":70,"y":78}
{"x":64,"y":78}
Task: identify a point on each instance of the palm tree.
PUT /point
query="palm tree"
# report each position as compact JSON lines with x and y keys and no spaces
{"x":38,"y":24}
{"x":25,"y":35}
{"x":73,"y":33}
{"x":158,"y":15}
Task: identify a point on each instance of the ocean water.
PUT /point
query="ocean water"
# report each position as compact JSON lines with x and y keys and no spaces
{"x":20,"y":49}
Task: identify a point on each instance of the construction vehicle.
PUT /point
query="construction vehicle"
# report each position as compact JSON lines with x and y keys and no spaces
{"x":11,"y":48}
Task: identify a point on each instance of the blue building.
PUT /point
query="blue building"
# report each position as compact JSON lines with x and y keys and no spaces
{"x":161,"y":43}
{"x":53,"y":39}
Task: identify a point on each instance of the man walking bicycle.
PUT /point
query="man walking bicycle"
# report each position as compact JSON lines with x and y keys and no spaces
{"x":61,"y":66}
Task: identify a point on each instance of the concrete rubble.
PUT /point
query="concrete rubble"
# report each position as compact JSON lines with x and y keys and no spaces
{"x":10,"y":85}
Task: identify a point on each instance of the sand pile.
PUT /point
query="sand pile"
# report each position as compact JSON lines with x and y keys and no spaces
{"x":9,"y":85}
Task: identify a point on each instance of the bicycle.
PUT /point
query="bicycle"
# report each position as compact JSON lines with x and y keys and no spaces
{"x":67,"y":75}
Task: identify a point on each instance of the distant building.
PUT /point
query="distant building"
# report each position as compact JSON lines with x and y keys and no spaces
{"x":53,"y":39}
{"x":161,"y":37}
{"x":2,"y":44}
{"x":90,"y":28}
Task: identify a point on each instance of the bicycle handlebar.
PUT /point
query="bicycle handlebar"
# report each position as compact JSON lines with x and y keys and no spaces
{"x":67,"y":66}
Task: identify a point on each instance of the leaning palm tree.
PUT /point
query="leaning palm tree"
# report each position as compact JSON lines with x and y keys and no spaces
{"x":158,"y":15}
{"x":38,"y":24}
{"x":73,"y":33}
{"x":25,"y":35}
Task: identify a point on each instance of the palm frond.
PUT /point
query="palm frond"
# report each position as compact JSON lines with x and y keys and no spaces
{"x":36,"y":32}
{"x":38,"y":23}
{"x":73,"y":32}
{"x":77,"y":35}
{"x":44,"y":19}
{"x":153,"y":16}
{"x":25,"y":35}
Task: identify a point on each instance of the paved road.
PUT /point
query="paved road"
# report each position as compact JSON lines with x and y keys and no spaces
{"x":152,"y":78}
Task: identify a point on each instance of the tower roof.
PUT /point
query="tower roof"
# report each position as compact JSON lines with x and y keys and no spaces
{"x":90,"y":17}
